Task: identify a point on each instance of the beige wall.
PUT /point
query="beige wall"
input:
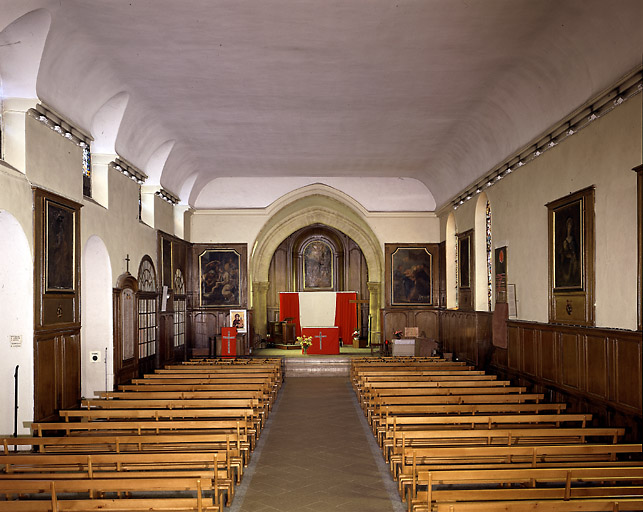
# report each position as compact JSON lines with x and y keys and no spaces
{"x":602,"y":155}
{"x":243,"y":226}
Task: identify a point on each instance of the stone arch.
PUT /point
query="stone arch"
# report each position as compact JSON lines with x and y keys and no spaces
{"x":97,"y":322}
{"x":319,"y":204}
{"x":16,"y":318}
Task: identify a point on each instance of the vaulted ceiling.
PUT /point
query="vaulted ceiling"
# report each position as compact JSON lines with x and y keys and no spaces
{"x":213,"y":95}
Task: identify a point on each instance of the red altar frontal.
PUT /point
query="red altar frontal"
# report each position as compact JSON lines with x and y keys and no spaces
{"x":325,"y":339}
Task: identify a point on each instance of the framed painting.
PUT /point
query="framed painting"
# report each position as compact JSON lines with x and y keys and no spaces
{"x":60,"y":247}
{"x":571,"y":258}
{"x":219,"y":277}
{"x":318,"y":266}
{"x":465,"y":270}
{"x":568,"y":242}
{"x":464,"y":261}
{"x":411,"y":276}
{"x":238,"y":319}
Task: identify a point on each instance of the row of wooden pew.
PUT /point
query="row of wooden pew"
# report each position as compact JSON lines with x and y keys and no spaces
{"x":175,"y":440}
{"x":457,"y":439}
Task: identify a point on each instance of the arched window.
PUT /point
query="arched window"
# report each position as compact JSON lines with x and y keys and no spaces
{"x":483,"y":254}
{"x":489,"y":261}
{"x":452,"y":262}
{"x":179,"y":309}
{"x":147,"y":308}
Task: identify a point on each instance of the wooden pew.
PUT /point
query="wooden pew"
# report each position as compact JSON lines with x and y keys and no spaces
{"x":556,"y":479}
{"x":528,"y":435}
{"x":233,"y":444}
{"x":398,"y":423}
{"x":437,"y":458}
{"x":214,"y":467}
{"x":57,"y":492}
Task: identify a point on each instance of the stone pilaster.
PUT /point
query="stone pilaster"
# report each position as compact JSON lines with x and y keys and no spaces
{"x":259,"y":306}
{"x":375,"y":296}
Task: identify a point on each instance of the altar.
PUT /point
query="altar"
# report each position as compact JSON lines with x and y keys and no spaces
{"x":325,"y":339}
{"x":321,"y":310}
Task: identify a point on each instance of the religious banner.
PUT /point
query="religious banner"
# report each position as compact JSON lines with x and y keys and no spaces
{"x":228,"y":342}
{"x":501,"y":274}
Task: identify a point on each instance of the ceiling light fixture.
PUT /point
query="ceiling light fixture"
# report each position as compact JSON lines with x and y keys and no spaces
{"x":592,"y":117}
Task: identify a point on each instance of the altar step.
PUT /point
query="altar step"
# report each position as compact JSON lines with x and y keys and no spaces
{"x":311,"y":366}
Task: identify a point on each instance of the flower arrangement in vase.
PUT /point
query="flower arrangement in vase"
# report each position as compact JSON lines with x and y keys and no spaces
{"x":305,"y":342}
{"x":355,"y":337}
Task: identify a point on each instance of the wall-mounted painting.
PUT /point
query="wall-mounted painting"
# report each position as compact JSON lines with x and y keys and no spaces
{"x":571,"y":258}
{"x":219,"y":277}
{"x":411,"y":276}
{"x":464,"y":261}
{"x":238,"y":319}
{"x":568,"y":246}
{"x":60,"y":229}
{"x":318,"y":266}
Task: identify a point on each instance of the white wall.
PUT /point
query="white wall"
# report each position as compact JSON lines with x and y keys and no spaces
{"x":602,"y":155}
{"x":96,"y":317}
{"x":16,"y":319}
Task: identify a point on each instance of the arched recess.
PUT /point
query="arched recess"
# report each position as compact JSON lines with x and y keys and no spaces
{"x":317,"y":208}
{"x":96,"y":317}
{"x":450,"y":255}
{"x":16,"y":318}
{"x":481,"y":247}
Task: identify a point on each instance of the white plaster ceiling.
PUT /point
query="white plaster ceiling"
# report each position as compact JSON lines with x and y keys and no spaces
{"x":434,"y":91}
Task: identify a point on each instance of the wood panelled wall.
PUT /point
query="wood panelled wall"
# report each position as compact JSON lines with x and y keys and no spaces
{"x":56,"y":304}
{"x":592,"y":369}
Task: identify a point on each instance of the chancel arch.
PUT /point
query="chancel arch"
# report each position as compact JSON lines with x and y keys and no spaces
{"x":323,"y":206}
{"x":96,"y":313}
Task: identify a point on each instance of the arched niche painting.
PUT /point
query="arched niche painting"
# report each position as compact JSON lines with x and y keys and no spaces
{"x":318,"y":266}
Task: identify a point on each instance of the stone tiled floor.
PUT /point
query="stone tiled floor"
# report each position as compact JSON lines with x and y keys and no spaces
{"x":316,"y":455}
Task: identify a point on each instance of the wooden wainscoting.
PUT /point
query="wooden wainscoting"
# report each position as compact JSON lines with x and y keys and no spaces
{"x":426,"y":320}
{"x":467,"y":334}
{"x":600,"y":364}
{"x":592,"y":369}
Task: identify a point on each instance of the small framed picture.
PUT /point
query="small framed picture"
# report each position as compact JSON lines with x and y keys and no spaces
{"x":238,"y":319}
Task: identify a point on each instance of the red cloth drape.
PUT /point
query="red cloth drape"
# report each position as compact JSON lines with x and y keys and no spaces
{"x":289,"y":308}
{"x":346,"y":316}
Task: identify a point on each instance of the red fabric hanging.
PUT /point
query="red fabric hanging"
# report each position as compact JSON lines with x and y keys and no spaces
{"x":289,"y":308}
{"x":346,"y":316}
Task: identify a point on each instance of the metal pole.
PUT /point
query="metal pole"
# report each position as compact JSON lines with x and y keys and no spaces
{"x":15,"y":407}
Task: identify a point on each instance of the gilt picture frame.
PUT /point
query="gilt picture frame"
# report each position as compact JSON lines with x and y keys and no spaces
{"x":571,"y":258}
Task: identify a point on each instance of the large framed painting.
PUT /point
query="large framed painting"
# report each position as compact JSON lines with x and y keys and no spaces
{"x":60,"y":247}
{"x":317,"y":266}
{"x":219,"y":277}
{"x":411,"y":276}
{"x":571,"y":258}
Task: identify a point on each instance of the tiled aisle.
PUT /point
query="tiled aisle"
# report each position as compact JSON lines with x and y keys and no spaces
{"x":317,"y":455}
